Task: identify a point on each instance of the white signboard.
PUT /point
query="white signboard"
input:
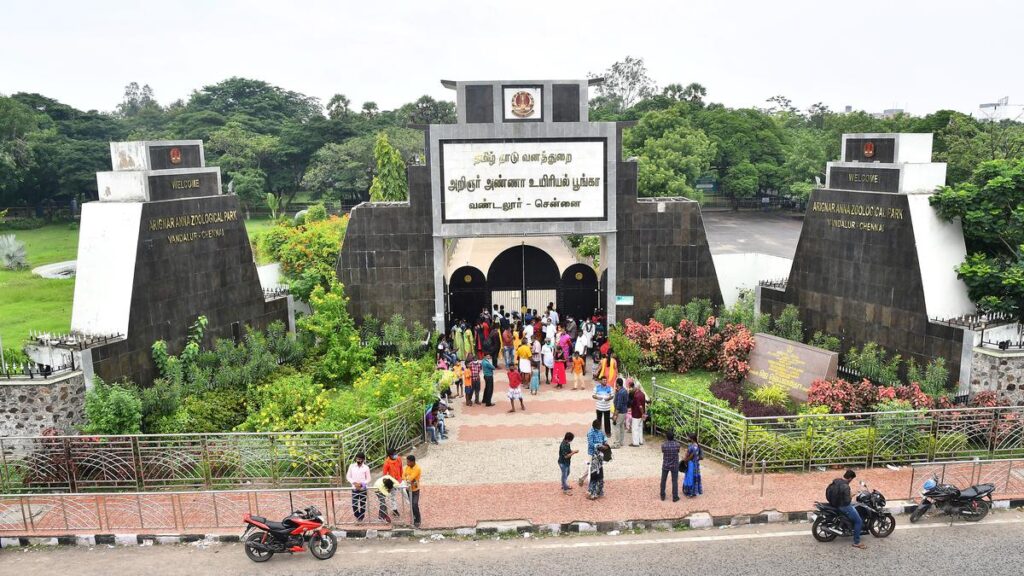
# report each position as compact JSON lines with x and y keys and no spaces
{"x":523,"y":180}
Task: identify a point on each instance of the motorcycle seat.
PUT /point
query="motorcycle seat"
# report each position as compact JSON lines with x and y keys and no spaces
{"x":259,"y":519}
{"x":824,"y":507}
{"x":285,"y":526}
{"x":975,"y":491}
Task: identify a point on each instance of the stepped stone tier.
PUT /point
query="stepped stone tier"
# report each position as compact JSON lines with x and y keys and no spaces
{"x":524,"y":160}
{"x":874,"y":262}
{"x":161,"y":247}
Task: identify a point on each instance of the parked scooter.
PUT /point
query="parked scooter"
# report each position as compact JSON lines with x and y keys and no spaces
{"x":263,"y":538}
{"x":969,"y":504}
{"x":830,"y":522}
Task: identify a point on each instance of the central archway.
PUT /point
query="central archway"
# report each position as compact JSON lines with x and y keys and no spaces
{"x":523,"y":276}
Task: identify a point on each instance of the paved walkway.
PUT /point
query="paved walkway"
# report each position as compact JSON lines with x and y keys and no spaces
{"x":502,"y":466}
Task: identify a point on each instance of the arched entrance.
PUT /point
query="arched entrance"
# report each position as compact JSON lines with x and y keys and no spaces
{"x":467,"y":294}
{"x":521,"y":276}
{"x":578,"y":294}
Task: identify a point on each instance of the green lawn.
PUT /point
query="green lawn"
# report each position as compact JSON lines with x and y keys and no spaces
{"x":694,"y":383}
{"x":28,"y":302}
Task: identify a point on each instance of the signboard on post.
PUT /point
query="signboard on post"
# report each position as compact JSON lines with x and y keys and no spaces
{"x":792,"y":365}
{"x":484,"y":180}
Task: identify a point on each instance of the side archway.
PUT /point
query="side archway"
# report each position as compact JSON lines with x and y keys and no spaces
{"x":578,"y":293}
{"x":467,"y":294}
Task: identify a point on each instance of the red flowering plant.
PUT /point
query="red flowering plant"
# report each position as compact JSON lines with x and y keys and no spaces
{"x":734,"y":356}
{"x":841,"y":396}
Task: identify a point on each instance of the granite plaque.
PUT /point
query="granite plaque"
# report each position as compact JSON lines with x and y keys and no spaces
{"x":178,"y":186}
{"x":870,"y":150}
{"x":864,"y":179}
{"x":792,"y":365}
{"x":171,"y":157}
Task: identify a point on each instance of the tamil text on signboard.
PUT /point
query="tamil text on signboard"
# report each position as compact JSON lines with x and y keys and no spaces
{"x":523,"y":180}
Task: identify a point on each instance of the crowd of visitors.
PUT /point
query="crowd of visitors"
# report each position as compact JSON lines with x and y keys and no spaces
{"x":531,"y":347}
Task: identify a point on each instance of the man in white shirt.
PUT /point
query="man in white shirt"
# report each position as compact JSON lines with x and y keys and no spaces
{"x":359,"y":477}
{"x":552,"y":313}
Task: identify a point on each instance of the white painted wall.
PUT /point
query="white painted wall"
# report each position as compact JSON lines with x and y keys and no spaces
{"x":107,"y":243}
{"x":122,"y":186}
{"x":270,"y":275}
{"x":922,"y":177}
{"x":740,"y":271}
{"x":940,"y":248}
{"x":481,"y":252}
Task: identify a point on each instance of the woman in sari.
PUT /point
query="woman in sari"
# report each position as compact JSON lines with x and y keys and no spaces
{"x":692,"y":485}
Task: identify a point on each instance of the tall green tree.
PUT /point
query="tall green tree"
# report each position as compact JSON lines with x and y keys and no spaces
{"x":389,"y":182}
{"x":991,"y":209}
{"x":672,"y":153}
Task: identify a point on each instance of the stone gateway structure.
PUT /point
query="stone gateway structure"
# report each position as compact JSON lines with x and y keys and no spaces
{"x":874,"y":262}
{"x":161,"y":247}
{"x":523,"y":160}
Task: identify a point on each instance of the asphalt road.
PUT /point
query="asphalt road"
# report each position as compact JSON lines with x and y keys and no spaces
{"x":775,"y":233}
{"x":933,"y":548}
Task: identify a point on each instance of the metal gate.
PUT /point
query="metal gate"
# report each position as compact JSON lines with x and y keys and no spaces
{"x":538,"y":299}
{"x":512,"y":300}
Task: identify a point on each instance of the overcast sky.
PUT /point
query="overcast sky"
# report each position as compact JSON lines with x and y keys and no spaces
{"x":916,"y":55}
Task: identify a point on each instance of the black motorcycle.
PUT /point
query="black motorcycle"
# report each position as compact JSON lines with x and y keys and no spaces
{"x":969,"y":504}
{"x":830,"y":522}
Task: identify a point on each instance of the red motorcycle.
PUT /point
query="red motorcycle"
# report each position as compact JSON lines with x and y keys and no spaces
{"x":263,"y":538}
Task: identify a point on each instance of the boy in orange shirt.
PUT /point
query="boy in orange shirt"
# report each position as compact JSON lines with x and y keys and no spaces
{"x":467,"y":383}
{"x":577,"y":372}
{"x":458,"y":378}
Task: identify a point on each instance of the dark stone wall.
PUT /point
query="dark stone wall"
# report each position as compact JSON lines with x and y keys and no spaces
{"x":387,"y":258}
{"x":653,"y":246}
{"x":212,"y":275}
{"x":479,"y":104}
{"x":863,"y":283}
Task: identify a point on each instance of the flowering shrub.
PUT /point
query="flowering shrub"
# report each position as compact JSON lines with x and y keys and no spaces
{"x":734,"y":356}
{"x":307,"y":252}
{"x":986,"y":399}
{"x":679,"y":349}
{"x":841,"y":396}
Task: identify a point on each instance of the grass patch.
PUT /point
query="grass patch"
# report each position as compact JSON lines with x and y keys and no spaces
{"x":28,"y":302}
{"x":254,"y":226}
{"x":696,"y":383}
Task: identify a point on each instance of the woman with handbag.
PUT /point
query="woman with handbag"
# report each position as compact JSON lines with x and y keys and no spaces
{"x":692,"y":485}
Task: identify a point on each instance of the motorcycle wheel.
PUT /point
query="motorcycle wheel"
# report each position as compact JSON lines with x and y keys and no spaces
{"x":919,"y":512}
{"x":254,"y":554}
{"x":882,"y":526}
{"x":820,"y":531}
{"x":323,"y":547}
{"x":977,"y":514}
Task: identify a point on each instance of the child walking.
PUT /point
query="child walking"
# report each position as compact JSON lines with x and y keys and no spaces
{"x":577,"y":371}
{"x":515,"y":390}
{"x":535,"y":379}
{"x":459,"y":369}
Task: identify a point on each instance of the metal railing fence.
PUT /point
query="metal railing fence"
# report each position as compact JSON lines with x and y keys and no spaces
{"x":803,"y":442}
{"x":1006,"y":475}
{"x":182,"y":512}
{"x":215,"y":461}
